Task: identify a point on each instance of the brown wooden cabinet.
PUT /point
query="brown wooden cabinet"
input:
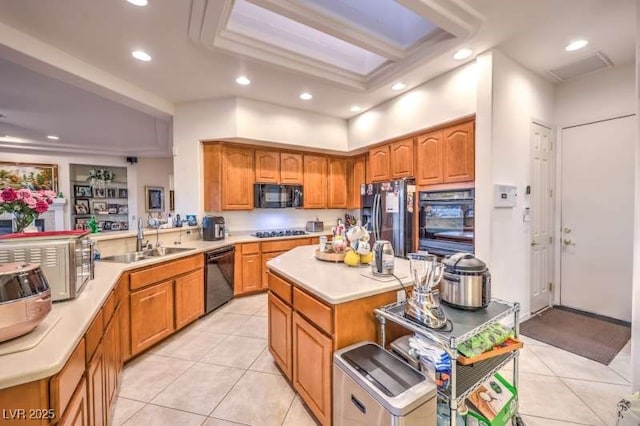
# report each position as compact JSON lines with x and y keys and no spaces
{"x":251,"y":272}
{"x":313,"y":384}
{"x":189,"y":298}
{"x":401,"y":159}
{"x":77,"y":412}
{"x":459,"y":153}
{"x":96,"y":389}
{"x":337,"y":183}
{"x":112,"y":358}
{"x":291,"y":168}
{"x":151,"y":315}
{"x":429,"y":159}
{"x":280,"y":343}
{"x":237,"y":178}
{"x":379,"y":163}
{"x":356,"y":176}
{"x":315,"y":182}
{"x":267,"y":167}
{"x":265,"y":271}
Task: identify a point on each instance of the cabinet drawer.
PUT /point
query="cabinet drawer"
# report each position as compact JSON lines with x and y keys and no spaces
{"x":314,"y":310}
{"x":251,"y":248}
{"x":93,"y":335}
{"x":284,"y":245}
{"x":63,"y":384}
{"x":164,"y":271}
{"x":108,"y":308}
{"x":280,"y":287}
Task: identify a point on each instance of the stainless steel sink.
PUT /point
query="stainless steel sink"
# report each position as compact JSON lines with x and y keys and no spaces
{"x":145,"y":254}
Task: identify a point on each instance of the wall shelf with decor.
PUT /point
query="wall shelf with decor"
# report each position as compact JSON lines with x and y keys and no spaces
{"x":99,"y":191}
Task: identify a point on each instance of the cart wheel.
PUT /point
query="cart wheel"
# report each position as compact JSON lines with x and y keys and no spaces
{"x":517,"y":421}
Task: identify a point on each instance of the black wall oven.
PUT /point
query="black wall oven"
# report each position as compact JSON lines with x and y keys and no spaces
{"x":446,"y":221}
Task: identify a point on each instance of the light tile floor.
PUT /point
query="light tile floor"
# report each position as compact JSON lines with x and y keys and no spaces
{"x":219,"y":372}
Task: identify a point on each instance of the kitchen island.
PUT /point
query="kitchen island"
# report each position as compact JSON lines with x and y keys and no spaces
{"x":316,"y":307}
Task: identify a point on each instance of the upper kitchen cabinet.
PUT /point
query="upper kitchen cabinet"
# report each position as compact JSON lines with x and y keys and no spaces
{"x":401,"y":156}
{"x":337,"y":181}
{"x":459,"y":153}
{"x":291,"y":168}
{"x":429,"y":155}
{"x":356,"y":176}
{"x":379,"y":163}
{"x":315,"y":182}
{"x":228,"y":177}
{"x":267,"y":167}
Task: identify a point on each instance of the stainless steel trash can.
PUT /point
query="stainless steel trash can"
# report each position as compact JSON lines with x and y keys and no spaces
{"x":372,"y":387}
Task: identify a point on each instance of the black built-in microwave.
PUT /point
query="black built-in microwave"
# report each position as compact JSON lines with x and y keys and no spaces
{"x":269,"y":196}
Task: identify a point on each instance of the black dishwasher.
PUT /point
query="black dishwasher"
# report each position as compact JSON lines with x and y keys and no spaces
{"x":218,"y":280}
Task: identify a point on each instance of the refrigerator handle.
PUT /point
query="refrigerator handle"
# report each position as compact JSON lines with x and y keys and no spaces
{"x":373,"y":216}
{"x":378,"y":215}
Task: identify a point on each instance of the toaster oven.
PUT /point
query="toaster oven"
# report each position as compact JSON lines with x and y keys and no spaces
{"x":66,"y":260}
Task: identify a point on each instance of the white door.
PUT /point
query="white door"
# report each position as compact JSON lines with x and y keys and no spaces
{"x":541,"y":217}
{"x":598,"y":162}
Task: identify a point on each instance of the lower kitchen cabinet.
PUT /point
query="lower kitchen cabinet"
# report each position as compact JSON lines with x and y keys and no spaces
{"x":313,"y":353}
{"x":251,"y":273}
{"x":112,"y":356}
{"x":96,"y":389}
{"x":151,"y":315}
{"x":189,"y":298}
{"x":280,"y":345}
{"x":77,"y":412}
{"x":265,"y":271}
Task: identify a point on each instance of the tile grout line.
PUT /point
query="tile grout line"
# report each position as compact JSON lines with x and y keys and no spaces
{"x":556,"y":420}
{"x":227,"y":394}
{"x":144,"y":404}
{"x":581,"y":400}
{"x":284,"y":419}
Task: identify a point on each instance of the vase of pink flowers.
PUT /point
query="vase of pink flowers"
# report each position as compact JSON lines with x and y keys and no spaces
{"x":25,"y":205}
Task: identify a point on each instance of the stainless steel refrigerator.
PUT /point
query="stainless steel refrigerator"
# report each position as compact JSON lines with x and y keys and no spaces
{"x":387,"y":212}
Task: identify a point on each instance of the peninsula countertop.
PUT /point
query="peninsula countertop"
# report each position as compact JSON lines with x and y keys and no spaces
{"x":335,"y":283}
{"x":50,"y":355}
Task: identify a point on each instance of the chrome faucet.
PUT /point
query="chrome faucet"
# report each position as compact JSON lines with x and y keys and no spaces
{"x":140,"y":237}
{"x":158,"y":243}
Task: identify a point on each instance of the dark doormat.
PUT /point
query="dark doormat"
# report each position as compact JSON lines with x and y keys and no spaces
{"x":588,"y":335}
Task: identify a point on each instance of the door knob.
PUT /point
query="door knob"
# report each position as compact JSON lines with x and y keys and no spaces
{"x":569,"y":243}
{"x":534,"y":243}
{"x":566,"y":230}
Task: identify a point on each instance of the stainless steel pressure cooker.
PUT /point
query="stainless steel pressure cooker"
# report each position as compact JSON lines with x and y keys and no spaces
{"x":466,"y":283}
{"x":25,"y":299}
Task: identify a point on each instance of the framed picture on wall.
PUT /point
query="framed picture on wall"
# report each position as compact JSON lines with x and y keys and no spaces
{"x":123,"y":193}
{"x":154,"y":199}
{"x":100,"y":207}
{"x":99,"y":193}
{"x":82,"y":206}
{"x":29,"y":175}
{"x":172,"y":200}
{"x":82,"y":191}
{"x":112,"y":192}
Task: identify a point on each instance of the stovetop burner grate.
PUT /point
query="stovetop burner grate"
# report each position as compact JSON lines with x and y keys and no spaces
{"x":279,"y":233}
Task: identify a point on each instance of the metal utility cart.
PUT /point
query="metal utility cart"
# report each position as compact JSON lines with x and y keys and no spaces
{"x":465,"y":324}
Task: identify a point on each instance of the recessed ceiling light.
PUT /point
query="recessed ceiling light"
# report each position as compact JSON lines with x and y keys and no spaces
{"x":462,"y":54}
{"x":2,"y":116}
{"x":306,"y":96}
{"x":398,"y":86}
{"x":356,"y":108}
{"x":243,"y":81}
{"x":141,"y":55}
{"x":575,"y":45}
{"x":138,"y":2}
{"x":53,"y":137}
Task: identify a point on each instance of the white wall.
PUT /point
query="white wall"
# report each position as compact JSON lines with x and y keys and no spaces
{"x":153,"y":172}
{"x":515,"y":99}
{"x":64,"y":185}
{"x":635,"y":314}
{"x":445,"y":98}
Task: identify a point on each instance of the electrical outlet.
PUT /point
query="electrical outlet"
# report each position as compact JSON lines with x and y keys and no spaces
{"x":188,"y":232}
{"x":401,"y":295}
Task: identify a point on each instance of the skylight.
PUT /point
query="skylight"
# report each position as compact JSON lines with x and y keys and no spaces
{"x":269,"y":27}
{"x":384,"y":18}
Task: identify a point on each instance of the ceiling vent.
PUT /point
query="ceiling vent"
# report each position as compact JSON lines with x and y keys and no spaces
{"x":595,"y":62}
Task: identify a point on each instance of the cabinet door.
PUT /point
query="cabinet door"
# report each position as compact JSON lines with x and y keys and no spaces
{"x":429,"y":156}
{"x":267,"y":167}
{"x":459,"y":153}
{"x":189,"y":298}
{"x":77,"y":412}
{"x":337,"y":179}
{"x":291,"y":168}
{"x":112,"y":358}
{"x":356,"y":176}
{"x":251,"y":272}
{"x":312,"y":352}
{"x":211,"y":167}
{"x":96,"y":387}
{"x":379,"y":163}
{"x":265,"y":271}
{"x":151,"y":315}
{"x":315,"y":182}
{"x":280,"y":333}
{"x":237,"y":178}
{"x":402,"y":160}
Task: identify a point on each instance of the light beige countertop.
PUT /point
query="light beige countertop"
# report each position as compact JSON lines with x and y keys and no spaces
{"x":335,"y":283}
{"x":50,"y":355}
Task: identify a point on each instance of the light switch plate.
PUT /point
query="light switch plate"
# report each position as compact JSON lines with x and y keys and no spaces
{"x":401,"y":295}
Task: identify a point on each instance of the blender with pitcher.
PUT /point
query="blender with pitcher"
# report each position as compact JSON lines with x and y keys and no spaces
{"x":424,"y":304}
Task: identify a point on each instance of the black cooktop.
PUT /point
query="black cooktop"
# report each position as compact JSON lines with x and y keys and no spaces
{"x":280,"y":233}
